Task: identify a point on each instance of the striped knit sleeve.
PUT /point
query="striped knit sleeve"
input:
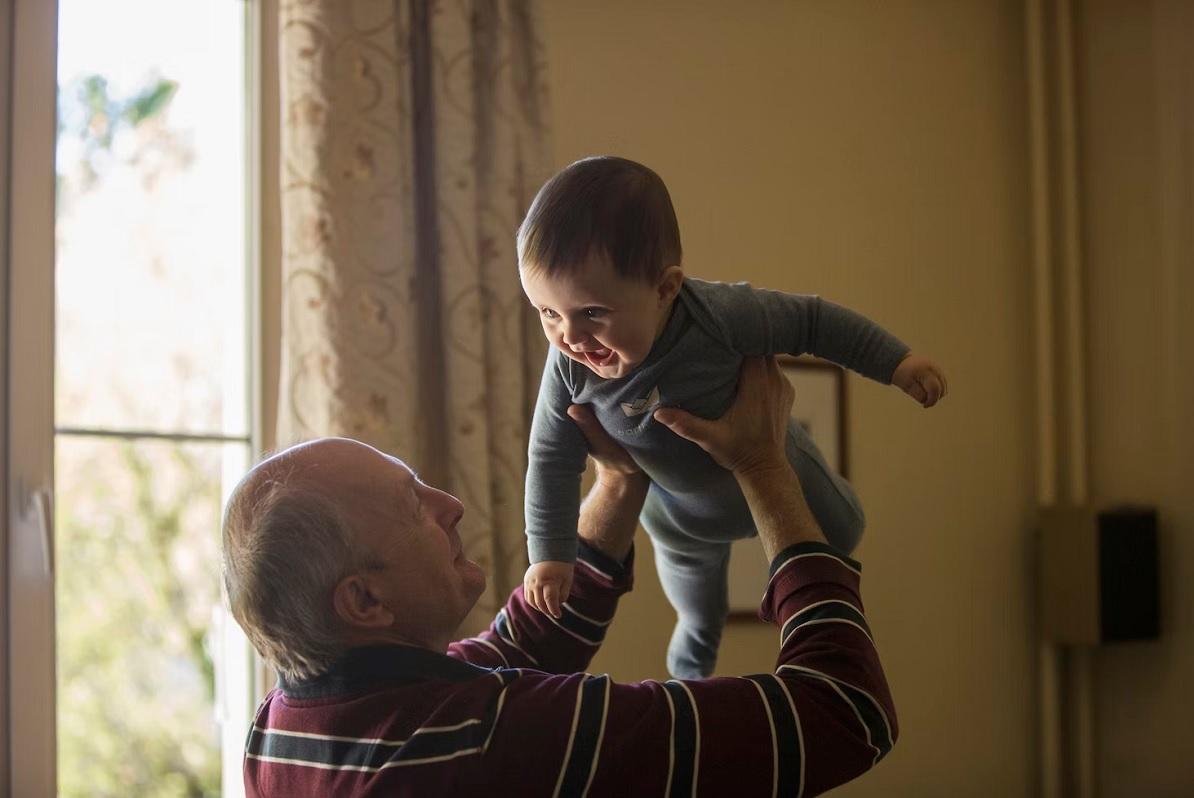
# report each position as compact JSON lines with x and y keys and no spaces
{"x":822,"y":718}
{"x":828,"y":663}
{"x":522,"y":637}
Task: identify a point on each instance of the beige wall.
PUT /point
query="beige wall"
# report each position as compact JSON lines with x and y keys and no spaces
{"x":1137,"y":123}
{"x":874,"y":153}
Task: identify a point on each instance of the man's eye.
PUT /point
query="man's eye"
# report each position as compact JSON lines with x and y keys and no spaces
{"x":595,"y":313}
{"x":548,"y":313}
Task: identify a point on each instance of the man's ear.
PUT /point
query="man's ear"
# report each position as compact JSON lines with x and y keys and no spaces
{"x":357,"y":605}
{"x":669,"y":284}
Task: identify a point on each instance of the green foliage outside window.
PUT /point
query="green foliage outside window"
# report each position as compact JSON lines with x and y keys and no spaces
{"x":137,"y":541}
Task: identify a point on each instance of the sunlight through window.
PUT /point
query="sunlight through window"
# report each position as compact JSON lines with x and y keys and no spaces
{"x":151,"y":388}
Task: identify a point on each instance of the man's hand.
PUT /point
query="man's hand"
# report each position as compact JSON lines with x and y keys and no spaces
{"x":751,"y":433}
{"x":606,"y":453}
{"x":749,"y":441}
{"x":920,"y":378}
{"x":547,"y":585}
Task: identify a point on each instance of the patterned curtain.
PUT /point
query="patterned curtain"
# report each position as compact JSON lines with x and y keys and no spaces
{"x":413,"y":140}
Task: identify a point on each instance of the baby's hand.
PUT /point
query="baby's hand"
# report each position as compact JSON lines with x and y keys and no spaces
{"x":920,"y":378}
{"x":547,"y":585}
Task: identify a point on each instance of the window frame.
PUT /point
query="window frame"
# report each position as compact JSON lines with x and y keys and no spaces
{"x":31,"y":124}
{"x":6,"y":42}
{"x":28,"y":124}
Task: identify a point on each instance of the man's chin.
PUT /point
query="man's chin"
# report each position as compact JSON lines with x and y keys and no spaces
{"x":473,"y":576}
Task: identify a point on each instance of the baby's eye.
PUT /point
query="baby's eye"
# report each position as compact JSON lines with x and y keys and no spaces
{"x":595,"y":313}
{"x":548,"y":313}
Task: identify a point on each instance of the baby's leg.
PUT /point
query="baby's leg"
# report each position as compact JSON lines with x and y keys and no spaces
{"x":829,"y":496}
{"x":694,"y":579}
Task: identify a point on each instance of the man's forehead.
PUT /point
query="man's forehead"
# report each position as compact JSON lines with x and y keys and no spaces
{"x":340,"y":460}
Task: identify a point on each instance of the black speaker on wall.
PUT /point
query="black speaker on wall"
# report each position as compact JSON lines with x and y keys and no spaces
{"x":1129,"y":598}
{"x":1099,"y":575}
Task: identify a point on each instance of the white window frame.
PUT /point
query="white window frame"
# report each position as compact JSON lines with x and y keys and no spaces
{"x":28,"y":126}
{"x":5,"y":94}
{"x":239,"y":670}
{"x":31,"y":121}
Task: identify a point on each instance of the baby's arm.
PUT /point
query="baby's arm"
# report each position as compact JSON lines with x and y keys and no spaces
{"x":762,"y":322}
{"x":608,"y":516}
{"x":555,"y":463}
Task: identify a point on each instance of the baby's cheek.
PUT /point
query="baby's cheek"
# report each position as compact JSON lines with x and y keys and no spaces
{"x":637,"y":351}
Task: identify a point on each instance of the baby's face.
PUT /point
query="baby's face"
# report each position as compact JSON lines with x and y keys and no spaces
{"x":600,"y":319}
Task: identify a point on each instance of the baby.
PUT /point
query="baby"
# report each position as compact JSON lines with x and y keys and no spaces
{"x":599,"y":258}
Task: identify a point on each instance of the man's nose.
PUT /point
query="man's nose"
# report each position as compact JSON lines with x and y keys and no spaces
{"x":449,"y":509}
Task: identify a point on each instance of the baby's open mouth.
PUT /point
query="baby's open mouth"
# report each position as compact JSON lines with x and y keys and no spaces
{"x":598,"y":357}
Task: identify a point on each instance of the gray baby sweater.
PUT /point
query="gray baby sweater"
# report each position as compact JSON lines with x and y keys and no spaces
{"x":692,"y":365}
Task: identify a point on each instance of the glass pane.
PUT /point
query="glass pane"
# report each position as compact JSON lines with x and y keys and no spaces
{"x":151,"y":232}
{"x":138,"y":614}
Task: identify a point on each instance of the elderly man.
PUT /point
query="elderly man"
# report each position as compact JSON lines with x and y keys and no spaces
{"x":347,"y":573}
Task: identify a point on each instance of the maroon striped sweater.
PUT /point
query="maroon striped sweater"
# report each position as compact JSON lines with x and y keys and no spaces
{"x":512,"y":712}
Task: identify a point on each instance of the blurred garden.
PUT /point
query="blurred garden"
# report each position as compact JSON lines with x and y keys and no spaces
{"x":149,"y":238}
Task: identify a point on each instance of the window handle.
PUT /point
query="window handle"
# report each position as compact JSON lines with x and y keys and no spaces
{"x":39,"y":505}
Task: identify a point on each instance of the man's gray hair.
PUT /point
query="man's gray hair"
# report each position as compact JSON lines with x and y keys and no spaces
{"x":286,"y":546}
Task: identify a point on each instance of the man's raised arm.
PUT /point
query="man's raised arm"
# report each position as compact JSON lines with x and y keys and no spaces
{"x":520,"y":635}
{"x":822,"y":717}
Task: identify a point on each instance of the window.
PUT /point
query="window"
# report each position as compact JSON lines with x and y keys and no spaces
{"x":154,"y":417}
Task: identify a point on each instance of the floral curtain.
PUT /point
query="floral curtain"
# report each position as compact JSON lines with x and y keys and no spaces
{"x":413,"y":140}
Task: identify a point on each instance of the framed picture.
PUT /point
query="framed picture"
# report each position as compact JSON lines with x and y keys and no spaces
{"x":820,"y":408}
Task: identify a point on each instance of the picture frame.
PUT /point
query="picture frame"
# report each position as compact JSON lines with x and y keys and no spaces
{"x":821,"y":407}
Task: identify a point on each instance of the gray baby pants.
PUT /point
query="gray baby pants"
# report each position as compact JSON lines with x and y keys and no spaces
{"x":693,"y":570}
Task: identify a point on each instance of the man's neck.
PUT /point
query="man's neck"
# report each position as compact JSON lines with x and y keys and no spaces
{"x":358,"y":638}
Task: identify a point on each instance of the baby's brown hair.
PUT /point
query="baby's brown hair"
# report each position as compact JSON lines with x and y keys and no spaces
{"x":601,"y":206}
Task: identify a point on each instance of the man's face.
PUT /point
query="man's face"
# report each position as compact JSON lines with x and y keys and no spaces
{"x":409,"y":528}
{"x":600,"y":319}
